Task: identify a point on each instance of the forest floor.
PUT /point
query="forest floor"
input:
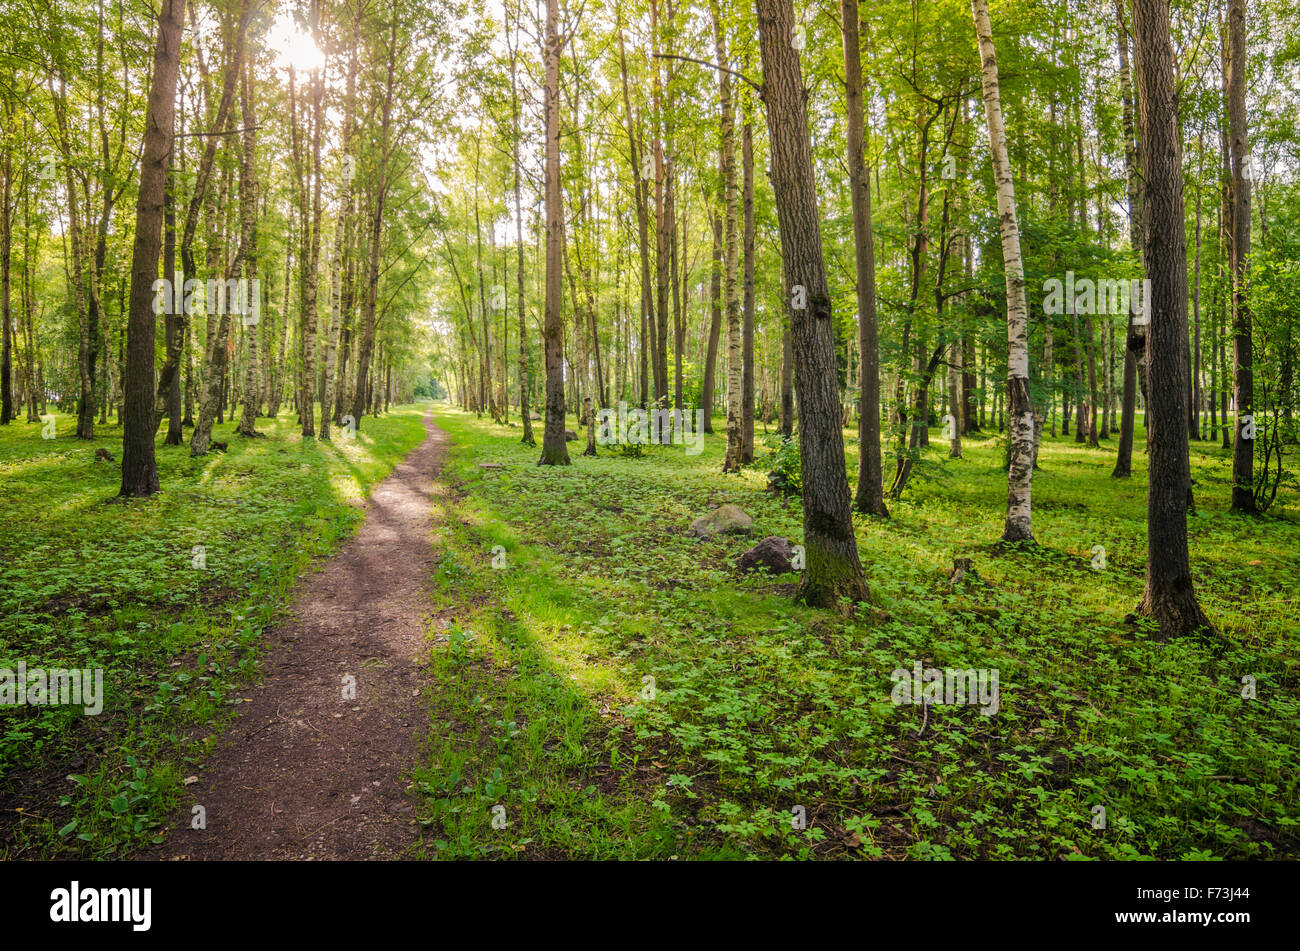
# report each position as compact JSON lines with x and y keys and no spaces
{"x":612,"y":687}
{"x":557,"y":668}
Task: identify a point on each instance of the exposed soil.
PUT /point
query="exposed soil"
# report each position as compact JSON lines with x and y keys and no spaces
{"x":304,"y":772}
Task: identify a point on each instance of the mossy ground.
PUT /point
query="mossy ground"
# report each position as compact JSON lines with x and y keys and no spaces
{"x":620,"y":691}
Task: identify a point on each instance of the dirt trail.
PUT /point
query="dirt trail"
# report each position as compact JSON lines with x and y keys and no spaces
{"x":303,"y":773}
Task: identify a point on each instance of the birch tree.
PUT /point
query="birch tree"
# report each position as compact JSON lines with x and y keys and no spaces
{"x":1020,"y":474}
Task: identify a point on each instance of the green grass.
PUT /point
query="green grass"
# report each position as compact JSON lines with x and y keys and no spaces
{"x":86,"y":582}
{"x":759,"y":706}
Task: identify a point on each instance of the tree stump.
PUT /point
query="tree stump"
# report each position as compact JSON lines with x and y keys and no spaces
{"x":963,"y":569}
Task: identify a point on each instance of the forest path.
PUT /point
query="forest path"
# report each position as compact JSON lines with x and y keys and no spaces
{"x":304,"y":773}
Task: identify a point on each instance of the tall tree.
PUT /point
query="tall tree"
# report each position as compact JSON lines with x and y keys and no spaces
{"x":7,"y":207}
{"x":366,"y":343}
{"x":833,"y":568}
{"x":139,"y":466}
{"x":555,"y":451}
{"x":1135,"y":336}
{"x":747,"y":292}
{"x":251,"y":294}
{"x":640,"y":188}
{"x":1170,"y":596}
{"x":525,"y":411}
{"x":730,"y":251}
{"x":344,"y":238}
{"x":1021,"y":413}
{"x":870,"y":497}
{"x":1243,"y":384}
{"x":309,"y":318}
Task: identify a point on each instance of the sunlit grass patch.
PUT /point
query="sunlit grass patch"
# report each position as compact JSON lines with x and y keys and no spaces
{"x":719,"y":707}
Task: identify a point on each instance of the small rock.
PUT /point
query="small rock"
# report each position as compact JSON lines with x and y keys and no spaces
{"x":773,"y":553}
{"x":570,"y":435}
{"x":724,"y":520}
{"x":489,"y":465}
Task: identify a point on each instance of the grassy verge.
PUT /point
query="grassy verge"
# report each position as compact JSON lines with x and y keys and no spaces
{"x":619,"y":690}
{"x":169,"y":596}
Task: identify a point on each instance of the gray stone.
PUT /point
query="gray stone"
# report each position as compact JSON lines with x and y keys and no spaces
{"x":724,"y":520}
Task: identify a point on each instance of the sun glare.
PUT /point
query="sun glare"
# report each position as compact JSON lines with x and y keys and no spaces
{"x":293,"y":46}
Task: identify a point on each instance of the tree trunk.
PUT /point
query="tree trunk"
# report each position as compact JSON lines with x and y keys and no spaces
{"x":251,"y":296}
{"x":710,"y":383}
{"x":640,"y":168}
{"x":833,"y":569}
{"x":1195,"y":418}
{"x":365,"y":345}
{"x":173,"y":323}
{"x":525,"y":412}
{"x":309,"y":319}
{"x":870,"y":495}
{"x":747,"y":319}
{"x":1135,"y":336}
{"x":1243,"y":389}
{"x":1092,"y":381}
{"x":341,"y":282}
{"x":787,"y":381}
{"x":555,"y":451}
{"x":178,"y":350}
{"x":659,"y":326}
{"x":139,"y":467}
{"x":1021,"y":411}
{"x":970,"y":419}
{"x":1170,"y":597}
{"x":31,"y":374}
{"x":211,"y":399}
{"x":730,"y":254}
{"x":954,"y":400}
{"x":6,"y":315}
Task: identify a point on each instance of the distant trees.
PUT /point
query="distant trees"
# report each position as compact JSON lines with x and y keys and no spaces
{"x":420,"y":203}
